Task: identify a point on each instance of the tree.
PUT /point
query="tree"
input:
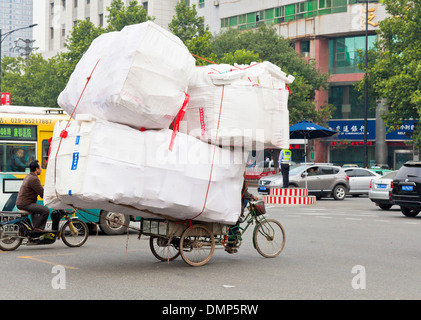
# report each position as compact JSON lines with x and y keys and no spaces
{"x":37,"y":82}
{"x":269,"y":46}
{"x":396,"y":73}
{"x":191,"y":29}
{"x":81,"y":37}
{"x":186,"y":24}
{"x":121,"y":16}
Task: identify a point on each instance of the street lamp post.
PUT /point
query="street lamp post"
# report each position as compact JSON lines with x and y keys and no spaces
{"x":365,"y":81}
{"x":366,"y":88}
{"x":3,"y":36}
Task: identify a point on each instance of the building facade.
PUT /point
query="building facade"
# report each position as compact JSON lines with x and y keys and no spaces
{"x":332,"y":33}
{"x":15,"y":14}
{"x":61,"y":16}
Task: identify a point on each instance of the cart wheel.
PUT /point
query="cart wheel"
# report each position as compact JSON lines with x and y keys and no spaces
{"x":197,"y":245}
{"x":162,"y":250}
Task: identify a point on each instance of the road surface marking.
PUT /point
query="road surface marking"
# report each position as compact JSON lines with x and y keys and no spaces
{"x":36,"y":258}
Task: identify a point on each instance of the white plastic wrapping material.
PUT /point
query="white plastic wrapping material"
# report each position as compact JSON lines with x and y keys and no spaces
{"x":248,"y":102}
{"x":113,"y":167}
{"x":140,"y":79}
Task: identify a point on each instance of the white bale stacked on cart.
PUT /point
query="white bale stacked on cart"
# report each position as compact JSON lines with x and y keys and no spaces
{"x":139,"y":77}
{"x":113,"y":167}
{"x":242,"y":105}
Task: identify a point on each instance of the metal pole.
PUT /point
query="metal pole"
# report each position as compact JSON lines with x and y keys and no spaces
{"x":365,"y":88}
{"x":7,"y":34}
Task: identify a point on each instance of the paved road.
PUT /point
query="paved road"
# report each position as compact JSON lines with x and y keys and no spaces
{"x":334,"y":250}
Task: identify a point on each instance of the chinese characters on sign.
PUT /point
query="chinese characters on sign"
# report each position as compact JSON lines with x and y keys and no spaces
{"x":5,"y":99}
{"x":12,"y":132}
{"x":371,"y":16}
{"x":354,"y":130}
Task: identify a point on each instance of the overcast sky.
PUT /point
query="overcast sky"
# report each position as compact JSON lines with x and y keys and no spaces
{"x":39,"y":30}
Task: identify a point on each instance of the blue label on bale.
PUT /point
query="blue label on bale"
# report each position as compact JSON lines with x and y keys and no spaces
{"x":75,"y":160}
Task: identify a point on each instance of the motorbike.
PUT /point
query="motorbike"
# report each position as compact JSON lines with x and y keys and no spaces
{"x":16,"y":228}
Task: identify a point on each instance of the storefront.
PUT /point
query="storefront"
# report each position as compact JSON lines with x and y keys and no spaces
{"x":348,"y":146}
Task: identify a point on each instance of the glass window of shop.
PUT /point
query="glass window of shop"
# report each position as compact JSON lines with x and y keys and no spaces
{"x":351,"y":154}
{"x":344,"y":56}
{"x":349,"y":103}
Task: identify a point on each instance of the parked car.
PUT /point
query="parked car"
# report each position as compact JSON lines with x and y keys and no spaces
{"x":381,"y":171}
{"x":406,"y":191}
{"x":322,"y":180}
{"x":380,"y":190}
{"x":350,"y":165}
{"x":359,"y":180}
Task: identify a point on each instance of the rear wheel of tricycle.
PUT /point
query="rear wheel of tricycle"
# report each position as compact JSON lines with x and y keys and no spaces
{"x":74,"y":233}
{"x":197,"y":245}
{"x":162,"y":248}
{"x":269,"y":238}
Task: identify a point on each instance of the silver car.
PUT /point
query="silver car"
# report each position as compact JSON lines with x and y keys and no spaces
{"x":320,"y":179}
{"x":380,"y":189}
{"x":359,"y":180}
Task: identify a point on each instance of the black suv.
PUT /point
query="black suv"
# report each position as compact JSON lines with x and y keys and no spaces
{"x":406,"y":190}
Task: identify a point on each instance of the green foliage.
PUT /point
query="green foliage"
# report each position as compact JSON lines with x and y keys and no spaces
{"x":396,"y":73}
{"x":81,"y":37}
{"x":240,"y":56}
{"x":191,"y":29}
{"x":120,"y":16}
{"x":186,"y":24}
{"x":37,"y":82}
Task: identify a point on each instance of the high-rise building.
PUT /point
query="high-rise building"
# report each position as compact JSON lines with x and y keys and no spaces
{"x":61,"y":16}
{"x":15,"y":14}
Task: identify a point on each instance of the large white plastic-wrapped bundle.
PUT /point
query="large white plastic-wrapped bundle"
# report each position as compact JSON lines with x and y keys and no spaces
{"x":245,"y":105}
{"x":113,"y":167}
{"x":140,"y":78}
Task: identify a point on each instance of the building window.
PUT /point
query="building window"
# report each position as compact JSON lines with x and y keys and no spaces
{"x":348,"y":102}
{"x":344,"y":55}
{"x":145,"y":5}
{"x":101,"y":20}
{"x":201,"y":3}
{"x":305,"y":47}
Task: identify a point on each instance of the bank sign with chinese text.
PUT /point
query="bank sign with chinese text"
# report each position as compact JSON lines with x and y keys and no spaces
{"x":352,"y":129}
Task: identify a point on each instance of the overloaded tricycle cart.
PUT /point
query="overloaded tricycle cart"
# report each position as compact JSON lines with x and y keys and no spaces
{"x":196,"y":240}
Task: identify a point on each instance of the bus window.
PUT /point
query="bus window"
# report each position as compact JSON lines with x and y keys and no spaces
{"x":15,"y":157}
{"x":45,"y":148}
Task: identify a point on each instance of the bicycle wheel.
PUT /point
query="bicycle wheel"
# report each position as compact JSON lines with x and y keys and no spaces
{"x":197,"y":245}
{"x":163,"y":250}
{"x":74,"y":233}
{"x":269,"y":238}
{"x":10,"y":242}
